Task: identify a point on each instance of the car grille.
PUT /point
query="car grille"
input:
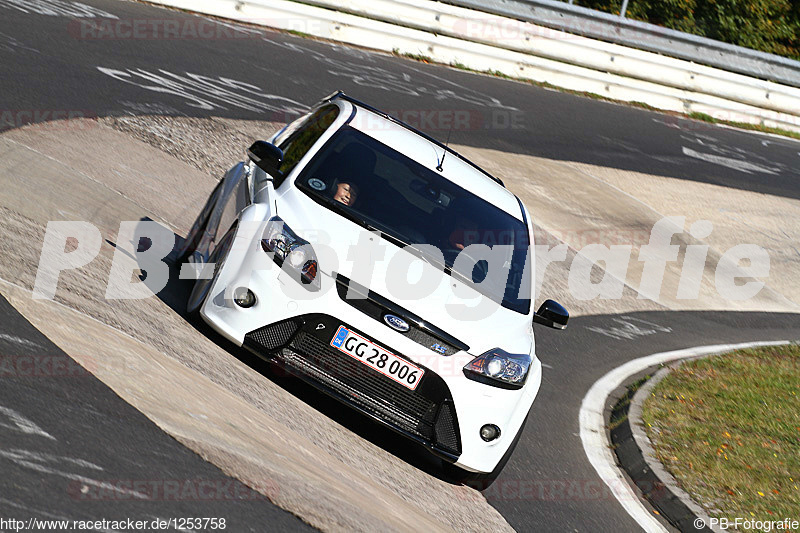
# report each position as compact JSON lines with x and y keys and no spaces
{"x":427,"y":414}
{"x":446,"y":428}
{"x":274,"y":336}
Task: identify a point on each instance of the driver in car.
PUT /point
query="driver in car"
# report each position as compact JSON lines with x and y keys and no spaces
{"x":465,"y":232}
{"x":346,"y":192}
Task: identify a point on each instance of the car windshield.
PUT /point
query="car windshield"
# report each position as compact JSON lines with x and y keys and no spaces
{"x":411,"y":205}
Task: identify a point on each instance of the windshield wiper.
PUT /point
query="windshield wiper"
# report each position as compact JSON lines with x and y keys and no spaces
{"x":411,"y":248}
{"x":394,"y":239}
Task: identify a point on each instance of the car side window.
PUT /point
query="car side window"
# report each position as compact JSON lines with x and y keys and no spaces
{"x":303,"y":138}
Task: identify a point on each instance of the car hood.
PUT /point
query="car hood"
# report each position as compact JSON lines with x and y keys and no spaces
{"x":345,"y":248}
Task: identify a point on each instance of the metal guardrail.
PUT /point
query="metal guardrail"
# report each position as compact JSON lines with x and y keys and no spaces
{"x":635,"y":34}
{"x":545,"y":49}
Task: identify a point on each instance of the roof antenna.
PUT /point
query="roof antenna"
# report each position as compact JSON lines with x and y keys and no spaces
{"x":439,"y":168}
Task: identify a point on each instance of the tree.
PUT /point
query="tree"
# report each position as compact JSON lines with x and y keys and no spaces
{"x":771,"y":26}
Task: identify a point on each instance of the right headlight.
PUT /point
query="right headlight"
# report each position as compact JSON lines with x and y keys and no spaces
{"x":500,"y":369}
{"x":290,"y":252}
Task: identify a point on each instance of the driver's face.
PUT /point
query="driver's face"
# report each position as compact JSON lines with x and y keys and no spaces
{"x":464,"y":234}
{"x":346,"y":194}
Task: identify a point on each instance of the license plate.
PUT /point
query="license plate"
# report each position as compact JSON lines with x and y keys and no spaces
{"x":377,"y":358}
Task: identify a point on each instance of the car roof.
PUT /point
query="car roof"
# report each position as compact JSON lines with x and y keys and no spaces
{"x":428,"y":152}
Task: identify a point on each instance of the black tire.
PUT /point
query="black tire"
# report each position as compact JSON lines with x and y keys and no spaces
{"x":484,"y":481}
{"x":202,"y":286}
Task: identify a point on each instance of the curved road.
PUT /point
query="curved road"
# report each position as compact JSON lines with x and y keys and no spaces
{"x":56,"y":65}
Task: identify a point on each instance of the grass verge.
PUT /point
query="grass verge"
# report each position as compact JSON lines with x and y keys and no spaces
{"x":744,"y":125}
{"x":728,"y":429}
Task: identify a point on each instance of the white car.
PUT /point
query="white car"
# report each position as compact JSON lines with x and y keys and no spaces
{"x":386,"y":270}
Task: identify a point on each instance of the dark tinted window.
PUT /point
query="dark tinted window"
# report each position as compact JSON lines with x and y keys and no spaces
{"x":381,"y":188}
{"x":301,"y":140}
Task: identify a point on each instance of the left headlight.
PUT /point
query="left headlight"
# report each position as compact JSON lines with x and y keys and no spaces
{"x":500,"y":369}
{"x":290,"y":252}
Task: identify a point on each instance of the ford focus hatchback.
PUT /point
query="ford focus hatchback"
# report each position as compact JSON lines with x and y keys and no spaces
{"x":385,"y":269}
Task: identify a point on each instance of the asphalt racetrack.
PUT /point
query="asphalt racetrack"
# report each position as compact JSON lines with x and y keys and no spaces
{"x":79,"y":430}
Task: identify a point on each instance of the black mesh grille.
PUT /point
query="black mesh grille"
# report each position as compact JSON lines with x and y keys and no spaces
{"x":445,"y":431}
{"x":272,"y":336}
{"x":302,"y":346}
{"x":361,"y":384}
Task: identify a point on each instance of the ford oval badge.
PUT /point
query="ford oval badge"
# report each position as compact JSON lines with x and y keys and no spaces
{"x":395,"y":322}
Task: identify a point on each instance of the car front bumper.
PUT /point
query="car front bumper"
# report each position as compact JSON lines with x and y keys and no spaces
{"x":444,"y":413}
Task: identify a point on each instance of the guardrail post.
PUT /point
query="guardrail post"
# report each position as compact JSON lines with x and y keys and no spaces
{"x":623,"y":9}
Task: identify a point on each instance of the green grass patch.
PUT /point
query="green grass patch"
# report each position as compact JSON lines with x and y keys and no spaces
{"x":297,"y":33}
{"x":703,"y":116}
{"x":744,"y":125}
{"x":416,"y":57}
{"x":728,"y":429}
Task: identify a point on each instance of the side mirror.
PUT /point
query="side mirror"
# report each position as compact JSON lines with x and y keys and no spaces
{"x":552,"y":314}
{"x":266,"y":156}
